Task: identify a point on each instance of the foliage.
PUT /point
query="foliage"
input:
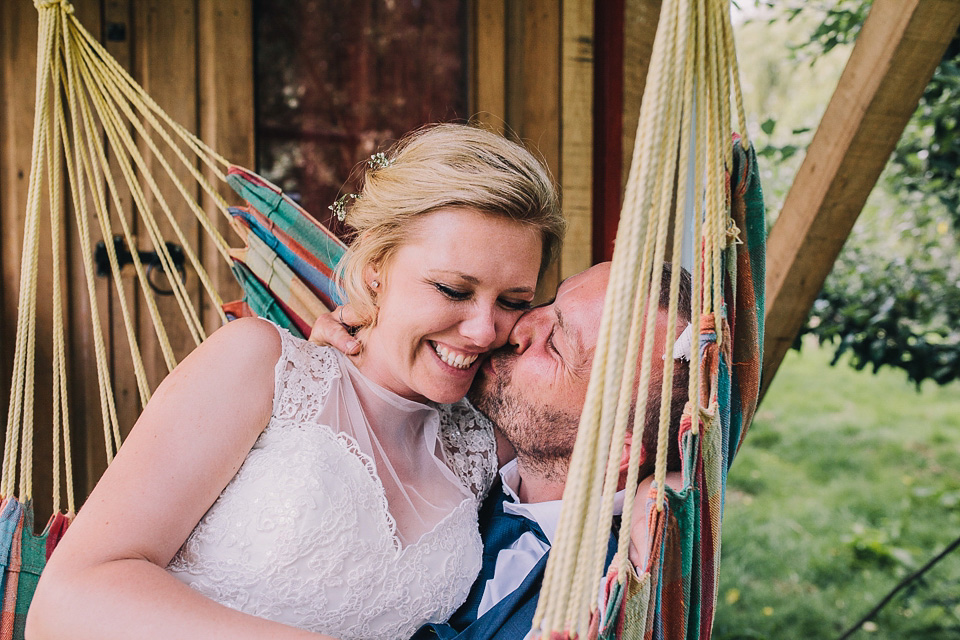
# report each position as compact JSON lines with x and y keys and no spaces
{"x":894,"y":300}
{"x":845,"y":485}
{"x":898,"y":309}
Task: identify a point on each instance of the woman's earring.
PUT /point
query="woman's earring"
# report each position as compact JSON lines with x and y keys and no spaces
{"x":374,"y":284}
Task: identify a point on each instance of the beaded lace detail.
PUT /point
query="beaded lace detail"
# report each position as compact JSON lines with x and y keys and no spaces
{"x":303,"y":534}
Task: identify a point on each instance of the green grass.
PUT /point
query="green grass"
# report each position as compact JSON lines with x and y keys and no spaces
{"x":846,"y":483}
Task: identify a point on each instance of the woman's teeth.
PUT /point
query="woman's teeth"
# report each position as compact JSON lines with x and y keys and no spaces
{"x":457,"y":361}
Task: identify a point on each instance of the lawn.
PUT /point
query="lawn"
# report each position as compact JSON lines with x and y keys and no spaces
{"x":846,"y":483}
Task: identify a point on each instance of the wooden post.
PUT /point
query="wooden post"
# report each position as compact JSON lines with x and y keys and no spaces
{"x":576,"y":142}
{"x":900,"y":45}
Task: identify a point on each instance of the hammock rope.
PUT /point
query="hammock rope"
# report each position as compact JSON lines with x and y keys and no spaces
{"x":85,"y":105}
{"x":693,"y":70}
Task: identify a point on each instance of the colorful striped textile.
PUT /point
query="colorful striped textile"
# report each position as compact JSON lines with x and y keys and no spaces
{"x":23,"y":555}
{"x":301,"y":302}
{"x":675,"y":597}
{"x":318,"y":276}
{"x":289,"y":258}
{"x":259,"y":301}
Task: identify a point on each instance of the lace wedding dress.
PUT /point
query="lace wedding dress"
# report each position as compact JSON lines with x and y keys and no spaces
{"x":357,"y":523}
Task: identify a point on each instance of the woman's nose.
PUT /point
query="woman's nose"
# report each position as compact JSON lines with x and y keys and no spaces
{"x":481,"y":328}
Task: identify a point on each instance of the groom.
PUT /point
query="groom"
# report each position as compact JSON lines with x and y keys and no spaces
{"x":533,"y":389}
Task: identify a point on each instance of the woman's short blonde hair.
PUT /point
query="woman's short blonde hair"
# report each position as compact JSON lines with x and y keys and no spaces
{"x":442,"y":166}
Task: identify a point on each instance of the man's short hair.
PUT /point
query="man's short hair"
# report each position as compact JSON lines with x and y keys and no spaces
{"x":681,"y":377}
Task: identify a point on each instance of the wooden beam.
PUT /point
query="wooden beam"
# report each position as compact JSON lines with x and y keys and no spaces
{"x":900,"y":45}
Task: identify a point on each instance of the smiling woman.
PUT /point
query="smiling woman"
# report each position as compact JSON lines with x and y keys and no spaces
{"x":275,"y":488}
{"x":450,"y":294}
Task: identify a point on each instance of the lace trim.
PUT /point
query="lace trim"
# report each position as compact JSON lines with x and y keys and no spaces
{"x":466,"y":435}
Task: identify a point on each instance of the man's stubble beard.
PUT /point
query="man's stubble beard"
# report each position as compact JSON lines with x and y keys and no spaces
{"x":542,"y":437}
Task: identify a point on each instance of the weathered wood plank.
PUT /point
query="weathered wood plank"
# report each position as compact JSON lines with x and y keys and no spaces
{"x":18,"y":32}
{"x":894,"y":57}
{"x":535,"y":105}
{"x":488,"y":96}
{"x":225,"y":63}
{"x":639,"y":29}
{"x":576,"y":143}
{"x":117,"y":32}
{"x":165,"y":53}
{"x":86,"y":420}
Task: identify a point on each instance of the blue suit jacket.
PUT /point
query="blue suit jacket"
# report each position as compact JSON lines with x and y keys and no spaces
{"x":512,"y":617}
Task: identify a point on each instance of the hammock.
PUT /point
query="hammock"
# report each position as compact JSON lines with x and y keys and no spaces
{"x":718,"y":203}
{"x":286,"y":270}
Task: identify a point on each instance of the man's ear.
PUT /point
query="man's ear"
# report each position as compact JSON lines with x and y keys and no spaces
{"x":625,"y":461}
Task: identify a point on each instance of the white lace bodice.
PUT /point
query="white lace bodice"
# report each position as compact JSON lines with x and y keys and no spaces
{"x":305,"y":534}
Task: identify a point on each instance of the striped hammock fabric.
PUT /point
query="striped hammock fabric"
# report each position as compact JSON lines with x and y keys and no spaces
{"x":287,"y":267}
{"x":676,"y":596}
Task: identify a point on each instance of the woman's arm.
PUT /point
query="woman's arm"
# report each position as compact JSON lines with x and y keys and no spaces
{"x":107,"y":577}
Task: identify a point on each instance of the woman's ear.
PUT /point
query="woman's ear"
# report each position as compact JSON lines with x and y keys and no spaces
{"x":371,"y":276}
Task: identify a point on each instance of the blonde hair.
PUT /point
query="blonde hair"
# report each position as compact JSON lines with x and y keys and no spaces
{"x":440,"y":166}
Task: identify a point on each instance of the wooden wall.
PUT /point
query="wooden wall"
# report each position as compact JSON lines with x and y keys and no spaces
{"x":194,"y":57}
{"x":568,"y":78}
{"x":533,"y":79}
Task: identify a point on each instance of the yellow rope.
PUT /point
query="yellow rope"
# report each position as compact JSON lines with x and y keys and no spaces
{"x":687,"y":98}
{"x":80,"y":173}
{"x":85,"y":100}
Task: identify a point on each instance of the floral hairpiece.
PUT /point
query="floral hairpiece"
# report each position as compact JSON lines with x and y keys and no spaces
{"x":378,"y":160}
{"x":339,"y":206}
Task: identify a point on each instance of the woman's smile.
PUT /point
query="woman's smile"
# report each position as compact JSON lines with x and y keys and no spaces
{"x":455,"y":359}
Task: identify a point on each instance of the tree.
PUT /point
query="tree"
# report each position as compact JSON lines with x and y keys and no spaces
{"x":893,"y":298}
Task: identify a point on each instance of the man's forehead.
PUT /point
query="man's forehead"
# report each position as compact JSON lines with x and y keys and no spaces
{"x":595,"y":277}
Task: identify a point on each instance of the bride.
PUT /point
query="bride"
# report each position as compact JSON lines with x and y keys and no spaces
{"x":275,"y":488}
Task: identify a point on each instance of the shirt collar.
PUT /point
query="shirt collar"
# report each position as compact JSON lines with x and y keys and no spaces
{"x":545,"y":514}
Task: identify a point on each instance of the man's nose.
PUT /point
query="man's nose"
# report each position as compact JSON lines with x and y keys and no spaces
{"x":524,"y":332}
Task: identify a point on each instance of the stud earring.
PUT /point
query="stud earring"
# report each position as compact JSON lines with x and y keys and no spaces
{"x":374,"y":284}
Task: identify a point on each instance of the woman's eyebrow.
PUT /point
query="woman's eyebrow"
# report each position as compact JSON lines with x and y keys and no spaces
{"x":466,"y":277}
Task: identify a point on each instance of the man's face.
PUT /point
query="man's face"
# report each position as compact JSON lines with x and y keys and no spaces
{"x":534,"y":387}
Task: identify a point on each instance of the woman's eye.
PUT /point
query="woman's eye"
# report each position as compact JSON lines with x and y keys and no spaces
{"x":517,"y":305}
{"x":450,"y":292}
